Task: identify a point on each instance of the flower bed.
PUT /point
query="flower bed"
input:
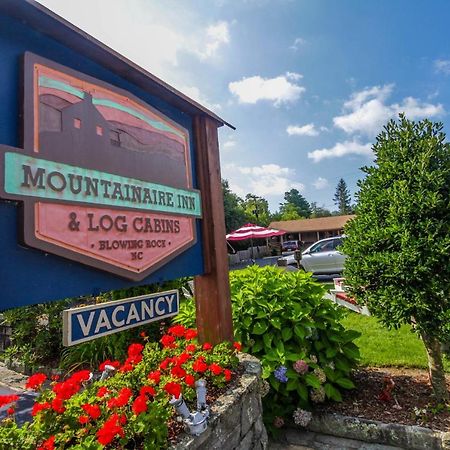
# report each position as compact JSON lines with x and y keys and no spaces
{"x":128,"y":410}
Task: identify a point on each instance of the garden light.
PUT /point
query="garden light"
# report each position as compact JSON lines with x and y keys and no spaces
{"x":196,"y":422}
{"x":180,"y":406}
{"x":107,"y":371}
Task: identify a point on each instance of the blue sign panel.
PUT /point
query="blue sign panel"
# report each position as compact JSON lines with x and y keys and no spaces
{"x":90,"y":322}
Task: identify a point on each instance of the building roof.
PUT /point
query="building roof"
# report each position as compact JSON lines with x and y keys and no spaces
{"x":318,"y":224}
{"x":48,"y":23}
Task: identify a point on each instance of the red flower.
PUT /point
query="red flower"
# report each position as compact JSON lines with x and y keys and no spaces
{"x":178,"y":372}
{"x":189,"y":380}
{"x":135,"y":350}
{"x":80,"y":376}
{"x":55,"y":377}
{"x":177,"y":331}
{"x":183,"y":358}
{"x":227,"y":373}
{"x":155,"y":376}
{"x":108,"y":362}
{"x":38,"y":407}
{"x":49,"y":444}
{"x":11,"y":411}
{"x":94,"y":411}
{"x":122,"y":419}
{"x":126,"y":368}
{"x":143,"y":334}
{"x":215,"y":369}
{"x":207,"y":346}
{"x":35,"y":381}
{"x":147,"y":390}
{"x":173,"y":388}
{"x":190,"y":334}
{"x":200,"y":365}
{"x":83,"y":420}
{"x":102,"y":391}
{"x":168,"y":341}
{"x":110,"y":430}
{"x":190,"y":348}
{"x":139,"y":405}
{"x":122,"y":399}
{"x":5,"y":399}
{"x":66,"y":389}
{"x":57,"y":405}
{"x":165,"y":364}
{"x":237,"y":346}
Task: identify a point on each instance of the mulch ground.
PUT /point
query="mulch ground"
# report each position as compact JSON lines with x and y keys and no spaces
{"x":410,"y":402}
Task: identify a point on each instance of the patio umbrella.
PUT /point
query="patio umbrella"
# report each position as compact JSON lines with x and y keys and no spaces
{"x":252,"y":231}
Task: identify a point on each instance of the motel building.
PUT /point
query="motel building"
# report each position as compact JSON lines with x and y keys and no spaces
{"x":312,"y":230}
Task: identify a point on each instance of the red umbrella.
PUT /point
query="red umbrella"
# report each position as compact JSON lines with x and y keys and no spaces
{"x":252,"y":231}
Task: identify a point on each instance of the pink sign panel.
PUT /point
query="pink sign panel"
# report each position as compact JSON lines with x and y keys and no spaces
{"x":130,"y":240}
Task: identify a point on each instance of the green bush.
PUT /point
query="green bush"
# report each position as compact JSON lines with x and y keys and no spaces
{"x":281,"y":318}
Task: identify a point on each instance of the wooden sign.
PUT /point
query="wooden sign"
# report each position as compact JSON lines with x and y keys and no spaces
{"x":104,"y":178}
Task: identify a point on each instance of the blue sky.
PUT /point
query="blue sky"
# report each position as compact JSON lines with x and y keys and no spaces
{"x":308,"y":84}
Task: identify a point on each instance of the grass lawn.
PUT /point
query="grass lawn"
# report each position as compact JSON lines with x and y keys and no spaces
{"x":380,"y":347}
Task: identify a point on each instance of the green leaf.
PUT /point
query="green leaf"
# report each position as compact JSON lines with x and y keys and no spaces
{"x":292,"y":385}
{"x":267,"y":338}
{"x":286,"y":334}
{"x":332,"y":392}
{"x":299,"y":331}
{"x":331,"y":352}
{"x":302,"y":391}
{"x":351,"y":350}
{"x":312,"y":380}
{"x":276,"y":322}
{"x":345,"y":383}
{"x":260,"y":327}
{"x":257,"y":346}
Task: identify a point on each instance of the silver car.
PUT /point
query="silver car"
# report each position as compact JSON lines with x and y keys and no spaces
{"x":320,"y":258}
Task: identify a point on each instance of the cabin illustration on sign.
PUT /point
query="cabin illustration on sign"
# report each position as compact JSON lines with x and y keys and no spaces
{"x":87,"y":138}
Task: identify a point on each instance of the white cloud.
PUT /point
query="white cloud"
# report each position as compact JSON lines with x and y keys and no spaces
{"x":299,"y":42}
{"x":341,"y":149}
{"x":265,"y":180}
{"x":442,"y":66}
{"x":366,"y":111}
{"x":321,"y":183}
{"x":156,"y":35}
{"x":216,"y":35}
{"x":228,"y":144}
{"x":299,"y":130}
{"x":278,"y":90}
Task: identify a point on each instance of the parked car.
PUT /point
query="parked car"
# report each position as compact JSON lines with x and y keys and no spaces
{"x":320,"y":258}
{"x":290,"y":246}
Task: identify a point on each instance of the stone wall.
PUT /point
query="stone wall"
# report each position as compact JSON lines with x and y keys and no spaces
{"x":235,"y":421}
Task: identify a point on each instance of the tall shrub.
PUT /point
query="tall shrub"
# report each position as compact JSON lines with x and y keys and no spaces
{"x":398,"y":245}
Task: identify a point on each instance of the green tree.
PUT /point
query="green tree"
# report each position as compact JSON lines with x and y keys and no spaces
{"x":399,"y":242}
{"x":235,"y":215}
{"x":295,"y":198}
{"x":288,"y":211}
{"x":319,"y":211}
{"x":342,"y":198}
{"x":257,"y":210}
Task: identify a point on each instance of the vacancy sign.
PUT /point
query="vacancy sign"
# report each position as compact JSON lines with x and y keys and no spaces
{"x":94,"y":321}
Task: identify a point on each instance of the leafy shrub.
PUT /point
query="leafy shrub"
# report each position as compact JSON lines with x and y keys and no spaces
{"x":128,"y":410}
{"x":36,"y":333}
{"x":281,"y":318}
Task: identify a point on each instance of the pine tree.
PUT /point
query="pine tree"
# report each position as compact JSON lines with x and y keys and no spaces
{"x":342,"y":198}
